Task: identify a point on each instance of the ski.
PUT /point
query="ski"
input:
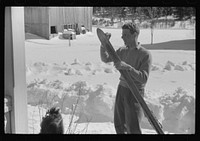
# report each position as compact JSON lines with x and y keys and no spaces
{"x":109,"y":48}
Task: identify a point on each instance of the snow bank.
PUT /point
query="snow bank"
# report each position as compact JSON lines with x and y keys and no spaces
{"x":100,"y":104}
{"x":179,"y":112}
{"x":176,"y":111}
{"x":75,"y":68}
{"x":170,"y":66}
{"x":81,"y":68}
{"x":93,"y":102}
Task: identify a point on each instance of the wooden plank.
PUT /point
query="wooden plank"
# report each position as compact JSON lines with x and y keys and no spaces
{"x":19,"y":98}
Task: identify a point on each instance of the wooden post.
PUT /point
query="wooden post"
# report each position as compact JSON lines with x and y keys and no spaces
{"x":69,"y":40}
{"x":15,"y":74}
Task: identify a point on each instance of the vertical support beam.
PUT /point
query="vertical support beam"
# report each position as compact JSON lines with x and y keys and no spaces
{"x":90,"y":18}
{"x":49,"y":22}
{"x":15,"y":80}
{"x":8,"y":68}
{"x":20,"y":93}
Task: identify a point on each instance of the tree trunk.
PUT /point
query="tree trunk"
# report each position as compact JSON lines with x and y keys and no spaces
{"x":151,"y":32}
{"x":151,"y":35}
{"x":166,"y":21}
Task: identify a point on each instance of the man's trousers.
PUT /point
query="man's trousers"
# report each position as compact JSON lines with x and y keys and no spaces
{"x":127,"y":113}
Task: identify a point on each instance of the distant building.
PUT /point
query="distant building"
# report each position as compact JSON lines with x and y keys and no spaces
{"x":43,"y":21}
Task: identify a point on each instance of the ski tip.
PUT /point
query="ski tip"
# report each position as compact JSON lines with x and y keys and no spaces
{"x":98,"y":30}
{"x":100,"y":33}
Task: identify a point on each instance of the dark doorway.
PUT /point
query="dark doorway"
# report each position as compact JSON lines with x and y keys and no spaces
{"x":53,"y":30}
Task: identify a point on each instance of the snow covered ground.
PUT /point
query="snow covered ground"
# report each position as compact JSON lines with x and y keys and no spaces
{"x":58,"y":74}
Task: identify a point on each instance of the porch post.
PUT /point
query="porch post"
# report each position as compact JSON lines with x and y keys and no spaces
{"x":15,"y":73}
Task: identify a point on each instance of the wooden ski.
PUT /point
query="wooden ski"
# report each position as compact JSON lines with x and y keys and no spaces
{"x":109,"y":48}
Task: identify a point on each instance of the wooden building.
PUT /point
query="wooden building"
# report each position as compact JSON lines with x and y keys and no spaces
{"x":42,"y":20}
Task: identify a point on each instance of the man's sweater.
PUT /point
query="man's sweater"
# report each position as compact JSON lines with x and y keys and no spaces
{"x":139,"y":58}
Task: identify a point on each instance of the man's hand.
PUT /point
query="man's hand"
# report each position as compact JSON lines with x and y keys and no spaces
{"x":108,"y":35}
{"x":122,"y":66}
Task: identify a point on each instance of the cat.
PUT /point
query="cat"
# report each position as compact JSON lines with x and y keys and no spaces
{"x":52,"y":123}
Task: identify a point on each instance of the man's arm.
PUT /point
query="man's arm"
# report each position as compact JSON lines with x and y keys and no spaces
{"x":142,"y":74}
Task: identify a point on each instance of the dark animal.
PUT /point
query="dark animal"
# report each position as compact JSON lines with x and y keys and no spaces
{"x":52,"y":123}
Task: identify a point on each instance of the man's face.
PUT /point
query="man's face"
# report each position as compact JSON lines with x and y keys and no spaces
{"x":127,"y":37}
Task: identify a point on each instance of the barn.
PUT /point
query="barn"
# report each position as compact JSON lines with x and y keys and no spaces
{"x":45,"y":21}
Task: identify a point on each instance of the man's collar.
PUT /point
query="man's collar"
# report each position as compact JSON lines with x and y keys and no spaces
{"x":138,"y":46}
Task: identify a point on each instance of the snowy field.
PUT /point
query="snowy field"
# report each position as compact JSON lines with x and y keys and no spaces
{"x":58,"y":74}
